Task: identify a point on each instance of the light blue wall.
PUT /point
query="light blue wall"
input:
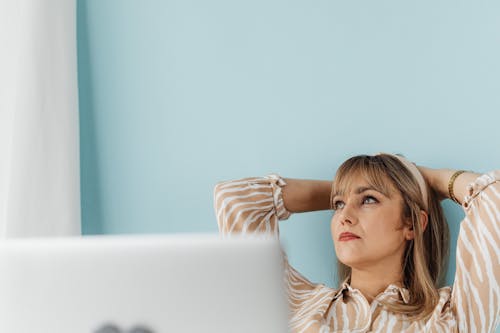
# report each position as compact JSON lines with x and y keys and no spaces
{"x":177,"y":95}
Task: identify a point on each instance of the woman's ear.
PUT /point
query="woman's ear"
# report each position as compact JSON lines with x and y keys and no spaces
{"x":424,"y":220}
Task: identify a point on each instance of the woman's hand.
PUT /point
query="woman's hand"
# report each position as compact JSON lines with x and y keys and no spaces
{"x":437,"y":180}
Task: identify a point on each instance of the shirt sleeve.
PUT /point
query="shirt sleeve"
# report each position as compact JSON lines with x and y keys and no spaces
{"x":255,"y":205}
{"x":250,"y":205}
{"x":476,"y":295}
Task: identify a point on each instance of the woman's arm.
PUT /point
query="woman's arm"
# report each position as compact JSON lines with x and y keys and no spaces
{"x":475,"y":297}
{"x":438,"y":179}
{"x":303,"y":195}
{"x":255,"y":205}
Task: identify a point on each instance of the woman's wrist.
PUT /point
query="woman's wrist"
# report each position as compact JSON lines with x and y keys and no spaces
{"x":440,"y":182}
{"x":460,"y":183}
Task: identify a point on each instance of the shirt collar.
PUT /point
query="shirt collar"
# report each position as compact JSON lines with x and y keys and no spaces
{"x":395,"y":287}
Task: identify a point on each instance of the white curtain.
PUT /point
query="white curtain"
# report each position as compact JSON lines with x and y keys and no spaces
{"x":39,"y":136}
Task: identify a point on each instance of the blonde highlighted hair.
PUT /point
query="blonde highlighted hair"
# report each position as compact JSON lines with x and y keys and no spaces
{"x":426,"y":256}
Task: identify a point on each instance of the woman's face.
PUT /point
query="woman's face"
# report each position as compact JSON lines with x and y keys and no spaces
{"x":375,"y":217}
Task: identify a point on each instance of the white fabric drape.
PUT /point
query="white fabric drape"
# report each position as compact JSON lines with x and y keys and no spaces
{"x":39,"y":134}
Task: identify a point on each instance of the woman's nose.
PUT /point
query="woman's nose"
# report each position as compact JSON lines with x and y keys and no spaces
{"x":346,"y":219}
{"x":347,"y":216}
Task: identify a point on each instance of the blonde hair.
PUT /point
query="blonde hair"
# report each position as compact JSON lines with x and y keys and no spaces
{"x":426,"y":256}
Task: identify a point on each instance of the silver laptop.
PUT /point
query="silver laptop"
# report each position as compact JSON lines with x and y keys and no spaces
{"x":142,"y":284}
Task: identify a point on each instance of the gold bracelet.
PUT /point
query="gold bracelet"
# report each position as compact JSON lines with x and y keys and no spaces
{"x":450,"y":185}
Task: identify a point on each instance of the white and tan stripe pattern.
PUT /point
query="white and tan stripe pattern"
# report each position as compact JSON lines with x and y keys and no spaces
{"x":255,"y":205}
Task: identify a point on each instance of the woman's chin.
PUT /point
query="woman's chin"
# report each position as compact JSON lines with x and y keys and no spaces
{"x":347,"y":255}
{"x":349,"y":260}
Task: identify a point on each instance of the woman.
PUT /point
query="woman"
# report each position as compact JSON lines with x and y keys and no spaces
{"x":391,"y":240}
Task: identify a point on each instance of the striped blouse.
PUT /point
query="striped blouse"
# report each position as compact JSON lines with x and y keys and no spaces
{"x":255,"y":205}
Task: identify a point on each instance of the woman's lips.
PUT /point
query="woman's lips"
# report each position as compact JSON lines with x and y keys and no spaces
{"x":347,"y":236}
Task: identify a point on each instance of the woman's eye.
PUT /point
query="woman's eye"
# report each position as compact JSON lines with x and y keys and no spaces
{"x":338,"y":205}
{"x":369,"y":199}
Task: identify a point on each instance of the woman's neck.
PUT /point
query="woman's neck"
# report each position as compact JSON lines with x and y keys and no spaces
{"x":372,"y":282}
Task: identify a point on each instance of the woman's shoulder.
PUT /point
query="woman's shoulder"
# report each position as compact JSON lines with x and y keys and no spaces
{"x":445,"y":291}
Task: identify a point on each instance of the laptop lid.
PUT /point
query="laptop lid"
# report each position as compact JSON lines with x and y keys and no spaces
{"x":155,"y":284}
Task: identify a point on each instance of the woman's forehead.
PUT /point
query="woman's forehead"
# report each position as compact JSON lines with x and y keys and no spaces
{"x":358,"y":182}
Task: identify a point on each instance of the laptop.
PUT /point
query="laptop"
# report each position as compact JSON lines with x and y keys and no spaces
{"x":142,"y":284}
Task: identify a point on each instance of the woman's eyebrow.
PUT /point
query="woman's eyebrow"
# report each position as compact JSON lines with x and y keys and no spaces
{"x":362,"y":189}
